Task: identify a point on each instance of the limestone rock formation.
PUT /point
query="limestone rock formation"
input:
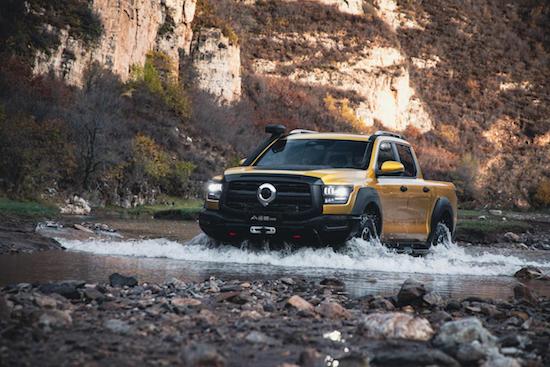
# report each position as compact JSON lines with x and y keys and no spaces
{"x":130,"y":30}
{"x":216,"y":63}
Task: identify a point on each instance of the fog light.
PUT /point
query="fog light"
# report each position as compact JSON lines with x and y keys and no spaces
{"x":232,"y":233}
{"x":297,"y":237}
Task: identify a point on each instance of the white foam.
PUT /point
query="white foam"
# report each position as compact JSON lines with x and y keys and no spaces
{"x":357,"y":255}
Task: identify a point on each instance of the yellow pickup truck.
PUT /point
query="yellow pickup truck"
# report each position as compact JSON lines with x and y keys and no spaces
{"x":310,"y":188}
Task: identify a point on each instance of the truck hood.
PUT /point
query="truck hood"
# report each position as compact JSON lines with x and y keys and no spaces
{"x":328,"y":176}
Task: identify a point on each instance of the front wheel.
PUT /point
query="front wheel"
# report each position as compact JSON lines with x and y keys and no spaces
{"x":367,"y":228}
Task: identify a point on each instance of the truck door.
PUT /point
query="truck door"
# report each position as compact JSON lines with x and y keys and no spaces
{"x":419,"y":195}
{"x":392,"y":196}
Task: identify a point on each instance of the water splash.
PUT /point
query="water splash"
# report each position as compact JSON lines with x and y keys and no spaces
{"x":446,"y":258}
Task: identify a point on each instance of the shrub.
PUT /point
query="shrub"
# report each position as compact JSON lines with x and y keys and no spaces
{"x":542,"y":195}
{"x":159,"y":77}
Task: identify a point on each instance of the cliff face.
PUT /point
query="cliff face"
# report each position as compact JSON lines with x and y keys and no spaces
{"x":130,"y":30}
{"x":216,"y":65}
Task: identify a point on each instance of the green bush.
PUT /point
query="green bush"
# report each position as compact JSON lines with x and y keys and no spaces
{"x":159,"y":77}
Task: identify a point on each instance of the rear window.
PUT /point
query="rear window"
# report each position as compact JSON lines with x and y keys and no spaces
{"x":406,"y":157}
{"x":314,"y":154}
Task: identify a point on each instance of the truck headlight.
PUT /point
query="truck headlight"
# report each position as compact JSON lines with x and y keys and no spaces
{"x":336,"y":194}
{"x":214,"y":190}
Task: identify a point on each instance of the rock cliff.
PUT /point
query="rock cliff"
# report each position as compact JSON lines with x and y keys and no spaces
{"x":130,"y":30}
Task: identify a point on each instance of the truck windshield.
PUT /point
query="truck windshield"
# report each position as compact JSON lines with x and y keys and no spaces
{"x":314,"y":154}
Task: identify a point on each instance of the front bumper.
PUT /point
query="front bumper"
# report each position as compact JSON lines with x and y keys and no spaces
{"x":319,"y":230}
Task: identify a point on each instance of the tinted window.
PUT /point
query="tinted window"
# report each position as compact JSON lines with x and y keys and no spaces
{"x":385,"y":153}
{"x":406,"y":157}
{"x":314,"y":153}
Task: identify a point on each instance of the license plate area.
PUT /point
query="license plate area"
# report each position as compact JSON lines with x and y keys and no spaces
{"x":263,"y":230}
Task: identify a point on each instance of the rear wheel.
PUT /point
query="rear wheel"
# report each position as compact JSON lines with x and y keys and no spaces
{"x":440,"y":234}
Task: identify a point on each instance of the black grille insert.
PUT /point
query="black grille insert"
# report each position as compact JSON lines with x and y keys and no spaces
{"x":291,"y":197}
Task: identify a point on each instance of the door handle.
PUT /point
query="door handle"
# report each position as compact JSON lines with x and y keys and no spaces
{"x":403,"y":188}
{"x":426,"y":189}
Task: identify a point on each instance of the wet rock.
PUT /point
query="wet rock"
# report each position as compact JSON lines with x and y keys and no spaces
{"x":118,"y":281}
{"x":529,"y":272}
{"x":333,"y":310}
{"x":203,"y":355}
{"x":117,"y":326}
{"x":461,"y":338}
{"x":497,"y":360}
{"x":238,"y":298}
{"x":411,"y":293}
{"x":438,"y":318}
{"x":5,"y":311}
{"x":453,"y":305}
{"x":332,"y":282}
{"x":176,"y":283}
{"x":184,"y":301}
{"x":512,"y":237}
{"x":522,"y":293}
{"x":45,"y":301}
{"x":67,"y":289}
{"x":257,"y":337}
{"x":310,"y":357}
{"x":353,"y":360}
{"x":300,"y":304}
{"x":381,"y":303}
{"x":433,"y":299}
{"x":80,"y":227}
{"x":395,"y":325}
{"x":417,"y":355}
{"x":53,"y":319}
{"x":287,"y":281}
{"x":93,"y":294}
{"x":251,"y":314}
{"x":208,"y":317}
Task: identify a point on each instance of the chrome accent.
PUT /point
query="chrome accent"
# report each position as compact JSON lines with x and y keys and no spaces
{"x":262,"y":230}
{"x":268,"y":189}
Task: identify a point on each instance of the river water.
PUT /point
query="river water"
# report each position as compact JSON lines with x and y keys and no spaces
{"x":366,"y":268}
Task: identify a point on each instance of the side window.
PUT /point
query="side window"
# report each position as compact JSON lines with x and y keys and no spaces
{"x":406,"y":157}
{"x":385,"y":153}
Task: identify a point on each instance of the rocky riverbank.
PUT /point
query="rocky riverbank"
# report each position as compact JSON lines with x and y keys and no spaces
{"x":283,"y":322}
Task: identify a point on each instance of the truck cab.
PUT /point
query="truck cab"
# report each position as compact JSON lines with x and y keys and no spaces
{"x":314,"y":188}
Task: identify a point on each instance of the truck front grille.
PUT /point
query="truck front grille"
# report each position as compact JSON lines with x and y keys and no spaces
{"x":292,"y":197}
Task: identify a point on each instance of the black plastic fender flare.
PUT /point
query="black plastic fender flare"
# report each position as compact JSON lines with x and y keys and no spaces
{"x":442,"y":207}
{"x":365,"y":197}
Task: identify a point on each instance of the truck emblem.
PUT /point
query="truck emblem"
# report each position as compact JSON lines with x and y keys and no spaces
{"x":266,"y":193}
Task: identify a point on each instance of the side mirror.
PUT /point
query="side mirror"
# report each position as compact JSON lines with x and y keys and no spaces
{"x":241,"y":161}
{"x":391,"y":168}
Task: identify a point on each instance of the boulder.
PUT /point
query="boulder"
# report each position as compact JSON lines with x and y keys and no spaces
{"x":522,"y":293}
{"x":512,"y":237}
{"x":117,"y":280}
{"x":300,"y":304}
{"x":76,"y":205}
{"x":67,"y":289}
{"x":497,"y":360}
{"x":529,"y":272}
{"x":411,"y":293}
{"x":333,"y":310}
{"x":412,"y":355}
{"x":117,"y":326}
{"x":395,"y":325}
{"x":466,"y":339}
{"x":257,"y":337}
{"x":53,"y":319}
